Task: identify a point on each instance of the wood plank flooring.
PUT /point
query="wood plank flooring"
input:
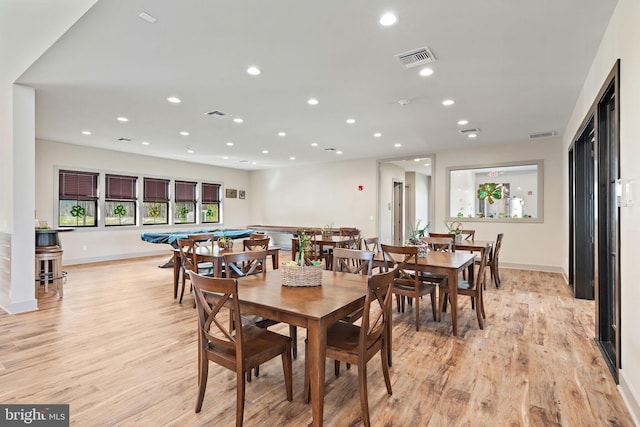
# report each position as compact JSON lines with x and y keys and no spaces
{"x":122,"y":352}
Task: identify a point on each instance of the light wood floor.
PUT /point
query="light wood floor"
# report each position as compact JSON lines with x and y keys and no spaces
{"x":121,"y":351}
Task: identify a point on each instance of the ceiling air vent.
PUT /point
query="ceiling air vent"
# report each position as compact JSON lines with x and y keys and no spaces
{"x":468,"y":131}
{"x":416,"y":57}
{"x":123,"y":139}
{"x":542,"y":134}
{"x":217,"y":114}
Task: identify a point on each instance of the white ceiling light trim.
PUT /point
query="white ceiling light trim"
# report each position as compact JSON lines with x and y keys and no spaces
{"x":254,"y":71}
{"x":146,"y":17}
{"x":86,"y":132}
{"x":174,"y":100}
{"x":312,"y":101}
{"x":184,"y":133}
{"x":425,"y":72}
{"x":122,"y":119}
{"x":448,"y":102}
{"x":388,"y":19}
{"x":463,"y":122}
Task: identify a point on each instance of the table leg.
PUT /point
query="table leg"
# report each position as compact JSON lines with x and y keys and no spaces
{"x":217,"y":266}
{"x":176,"y":273}
{"x":294,"y":248}
{"x":275,"y":259}
{"x":317,"y":342}
{"x":453,"y":297}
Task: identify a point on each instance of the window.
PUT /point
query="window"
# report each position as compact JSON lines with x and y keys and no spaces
{"x":210,"y":202}
{"x":509,"y":192}
{"x":185,"y":211}
{"x":120,"y":200}
{"x":77,"y":199}
{"x":155,"y":201}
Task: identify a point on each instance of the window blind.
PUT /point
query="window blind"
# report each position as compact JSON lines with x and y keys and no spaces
{"x":74,"y":185}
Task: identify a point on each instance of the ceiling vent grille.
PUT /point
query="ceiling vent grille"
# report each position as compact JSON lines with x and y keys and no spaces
{"x":468,"y":131}
{"x":416,"y":57}
{"x":123,"y":139}
{"x":217,"y":114}
{"x":542,"y":134}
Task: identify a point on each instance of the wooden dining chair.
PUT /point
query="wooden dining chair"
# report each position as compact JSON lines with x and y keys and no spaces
{"x":473,"y":290}
{"x":255,"y":244}
{"x":239,"y":349}
{"x":241,"y":264}
{"x":492,"y":262}
{"x":439,"y":244}
{"x":258,"y":235}
{"x":447,"y":235}
{"x":372,"y":244}
{"x":188,"y":262}
{"x":408,"y":283}
{"x":357,"y":345}
{"x":468,"y":234}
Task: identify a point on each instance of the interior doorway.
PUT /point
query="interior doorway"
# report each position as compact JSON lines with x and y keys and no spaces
{"x":594,"y":222}
{"x":397,"y":216}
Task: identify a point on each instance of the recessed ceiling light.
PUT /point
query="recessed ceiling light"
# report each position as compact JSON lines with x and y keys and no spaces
{"x":265,"y":151}
{"x":377,"y":134}
{"x":238,"y":120}
{"x":145,"y":142}
{"x":145,"y":16}
{"x":312,"y":101}
{"x":190,"y":150}
{"x":463,"y":122}
{"x":254,"y":163}
{"x":397,"y":145}
{"x":448,"y":102}
{"x":226,"y":157}
{"x":388,"y":19}
{"x":122,"y":119}
{"x":426,"y":72}
{"x":174,"y":100}
{"x":427,"y":164}
{"x":351,"y":121}
{"x":416,"y":160}
{"x":314,"y":144}
{"x":472,"y":135}
{"x":184,"y":133}
{"x":230,"y":144}
{"x":86,"y":132}
{"x":338,"y":152}
{"x":282,"y":134}
{"x":254,"y":71}
{"x":292,"y":158}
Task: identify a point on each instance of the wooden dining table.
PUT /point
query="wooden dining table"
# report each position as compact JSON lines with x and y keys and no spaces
{"x":445,"y":263}
{"x":314,"y":308}
{"x":473,"y":245}
{"x":205,"y":254}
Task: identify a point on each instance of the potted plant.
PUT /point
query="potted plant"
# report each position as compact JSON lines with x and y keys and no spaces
{"x":455,"y":228}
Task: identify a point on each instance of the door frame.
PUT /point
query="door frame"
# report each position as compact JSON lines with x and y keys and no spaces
{"x":612,"y":80}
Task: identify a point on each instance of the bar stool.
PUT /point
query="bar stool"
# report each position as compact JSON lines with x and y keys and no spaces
{"x":49,"y":268}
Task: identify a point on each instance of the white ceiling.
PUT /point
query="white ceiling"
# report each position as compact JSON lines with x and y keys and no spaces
{"x":513,"y":68}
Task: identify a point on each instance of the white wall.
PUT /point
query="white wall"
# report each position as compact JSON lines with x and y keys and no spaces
{"x":621,"y":41}
{"x":27,"y":29}
{"x":316,"y":195}
{"x":97,"y":244}
{"x":528,"y":245}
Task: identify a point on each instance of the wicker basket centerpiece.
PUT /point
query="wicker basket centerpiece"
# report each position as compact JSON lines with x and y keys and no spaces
{"x":295,"y":275}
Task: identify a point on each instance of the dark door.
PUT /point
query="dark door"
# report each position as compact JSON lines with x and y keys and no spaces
{"x":584,"y":213}
{"x":608,"y":230}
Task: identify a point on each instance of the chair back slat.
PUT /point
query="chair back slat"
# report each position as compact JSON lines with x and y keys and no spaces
{"x":211,"y":316}
{"x":255,"y":244}
{"x":353,"y":261}
{"x":187,"y":251}
{"x":397,"y":257}
{"x":242,"y":264}
{"x":379,"y":291}
{"x":372,"y":244}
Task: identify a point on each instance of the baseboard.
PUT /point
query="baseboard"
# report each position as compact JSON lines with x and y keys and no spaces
{"x":544,"y":268}
{"x":115,"y":257}
{"x":630,"y":397}
{"x":21,"y":307}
